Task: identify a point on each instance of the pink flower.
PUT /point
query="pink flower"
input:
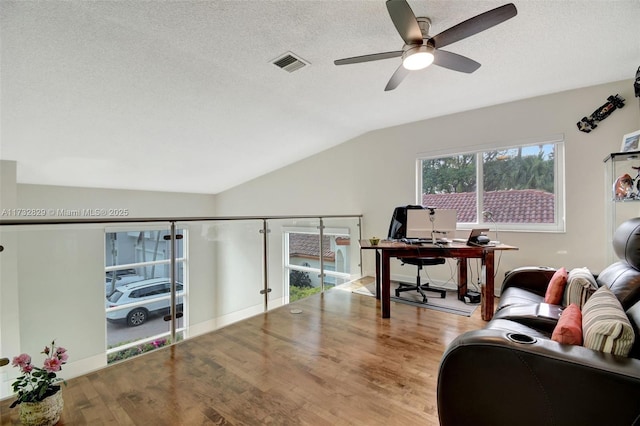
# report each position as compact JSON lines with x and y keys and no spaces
{"x":61,"y":354}
{"x":36,"y":383}
{"x":22,"y":361}
{"x":158,"y":343}
{"x":52,"y":365}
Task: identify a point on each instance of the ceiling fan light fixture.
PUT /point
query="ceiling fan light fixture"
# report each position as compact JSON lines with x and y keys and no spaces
{"x":417,"y":58}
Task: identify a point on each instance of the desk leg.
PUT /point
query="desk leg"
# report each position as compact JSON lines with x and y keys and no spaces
{"x":385,"y":297}
{"x":378,"y":274}
{"x":486,"y":308}
{"x":462,"y":278}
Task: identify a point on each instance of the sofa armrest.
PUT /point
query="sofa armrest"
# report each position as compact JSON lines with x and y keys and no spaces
{"x":486,"y":378}
{"x":532,"y":278}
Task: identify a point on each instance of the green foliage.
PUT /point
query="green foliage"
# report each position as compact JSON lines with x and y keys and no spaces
{"x":139,"y":349}
{"x":502,"y":170}
{"x":299,"y":279}
{"x":35,"y":387}
{"x":519,"y":172}
{"x":297,"y":293}
{"x":449,"y":174}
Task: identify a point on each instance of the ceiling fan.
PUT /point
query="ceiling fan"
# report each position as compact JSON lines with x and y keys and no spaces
{"x":421,"y":50}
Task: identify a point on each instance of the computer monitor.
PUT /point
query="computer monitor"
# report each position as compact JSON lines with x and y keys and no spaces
{"x":421,"y":223}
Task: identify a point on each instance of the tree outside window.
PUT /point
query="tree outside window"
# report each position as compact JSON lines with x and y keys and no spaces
{"x":519,"y":185}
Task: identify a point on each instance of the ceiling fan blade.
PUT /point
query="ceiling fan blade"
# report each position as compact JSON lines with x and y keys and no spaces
{"x":405,"y":21}
{"x":397,"y":78}
{"x":368,"y":58}
{"x":454,"y":62}
{"x":475,"y":25}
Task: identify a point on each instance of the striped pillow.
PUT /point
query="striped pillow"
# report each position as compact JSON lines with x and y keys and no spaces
{"x":580,"y":286}
{"x":605,"y":326}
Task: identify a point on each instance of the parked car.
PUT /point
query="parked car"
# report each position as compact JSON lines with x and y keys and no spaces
{"x":121,"y":272}
{"x":121,"y":280}
{"x":145,"y":297}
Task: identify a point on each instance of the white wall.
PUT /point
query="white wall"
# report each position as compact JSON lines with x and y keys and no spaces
{"x":375,"y":172}
{"x":138,"y":204}
{"x":9,"y":311}
{"x":52,"y":277}
{"x":368,"y":175}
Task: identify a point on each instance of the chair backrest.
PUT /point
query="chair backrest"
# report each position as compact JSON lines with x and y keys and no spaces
{"x":623,"y":277}
{"x":626,"y":242}
{"x":398,"y":225}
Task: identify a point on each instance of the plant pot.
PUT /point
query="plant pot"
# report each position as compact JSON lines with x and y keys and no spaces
{"x":43,"y":413}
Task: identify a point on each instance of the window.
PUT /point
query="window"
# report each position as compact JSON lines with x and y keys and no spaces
{"x":517,"y":188}
{"x":138,"y":290}
{"x":302,"y":260}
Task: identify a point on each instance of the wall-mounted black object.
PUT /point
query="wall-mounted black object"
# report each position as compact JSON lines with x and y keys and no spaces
{"x":587,"y":124}
{"x":636,"y":84}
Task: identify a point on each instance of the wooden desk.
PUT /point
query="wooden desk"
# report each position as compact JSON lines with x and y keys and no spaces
{"x":385,"y":250}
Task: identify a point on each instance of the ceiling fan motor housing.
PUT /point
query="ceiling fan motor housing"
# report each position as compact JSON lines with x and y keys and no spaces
{"x":425,"y":24}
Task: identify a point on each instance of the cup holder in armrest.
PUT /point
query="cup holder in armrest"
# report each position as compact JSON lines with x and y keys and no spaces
{"x":521,"y":338}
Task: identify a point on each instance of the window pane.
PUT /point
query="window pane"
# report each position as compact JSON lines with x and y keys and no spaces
{"x":138,"y":289}
{"x":139,"y":246}
{"x":519,"y":187}
{"x":303,"y":263}
{"x":450,"y":183}
{"x":519,"y":184}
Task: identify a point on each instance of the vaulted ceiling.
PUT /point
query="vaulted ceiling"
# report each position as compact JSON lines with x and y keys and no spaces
{"x":183,"y":95}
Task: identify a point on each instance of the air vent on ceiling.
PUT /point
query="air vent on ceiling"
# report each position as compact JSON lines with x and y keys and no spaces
{"x":289,"y":62}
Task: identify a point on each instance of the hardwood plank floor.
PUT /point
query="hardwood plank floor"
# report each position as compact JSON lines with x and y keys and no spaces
{"x":336,"y":363}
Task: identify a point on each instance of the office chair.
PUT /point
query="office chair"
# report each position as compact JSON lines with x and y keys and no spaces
{"x":398,"y":231}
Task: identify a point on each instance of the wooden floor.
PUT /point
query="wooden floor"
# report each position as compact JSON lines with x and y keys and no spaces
{"x":336,"y":363}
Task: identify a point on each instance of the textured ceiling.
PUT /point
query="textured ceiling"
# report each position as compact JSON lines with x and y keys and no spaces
{"x":182,"y":95}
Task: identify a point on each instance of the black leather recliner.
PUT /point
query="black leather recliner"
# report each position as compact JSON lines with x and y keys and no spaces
{"x":512,"y":373}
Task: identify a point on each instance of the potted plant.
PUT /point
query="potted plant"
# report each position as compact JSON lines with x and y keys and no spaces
{"x":38,"y":388}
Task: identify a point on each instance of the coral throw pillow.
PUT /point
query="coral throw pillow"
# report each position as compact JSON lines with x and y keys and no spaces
{"x":555,"y":290}
{"x":569,"y":327}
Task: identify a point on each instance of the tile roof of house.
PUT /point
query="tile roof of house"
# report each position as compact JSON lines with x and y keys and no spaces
{"x":308,"y":245}
{"x":513,"y":206}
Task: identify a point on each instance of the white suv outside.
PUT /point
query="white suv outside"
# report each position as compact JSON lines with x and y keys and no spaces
{"x":121,"y":280}
{"x":137,"y":300}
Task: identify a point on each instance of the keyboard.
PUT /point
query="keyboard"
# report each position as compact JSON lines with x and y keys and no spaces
{"x":424,"y":241}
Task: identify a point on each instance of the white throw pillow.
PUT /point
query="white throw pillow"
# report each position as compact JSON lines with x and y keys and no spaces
{"x":580,"y":286}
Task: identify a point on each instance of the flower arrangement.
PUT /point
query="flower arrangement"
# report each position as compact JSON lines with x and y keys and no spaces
{"x":37,"y":383}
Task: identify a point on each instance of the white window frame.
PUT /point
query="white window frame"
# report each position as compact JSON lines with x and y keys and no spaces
{"x":344,"y":232}
{"x":559,"y":225}
{"x":179,"y":260}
